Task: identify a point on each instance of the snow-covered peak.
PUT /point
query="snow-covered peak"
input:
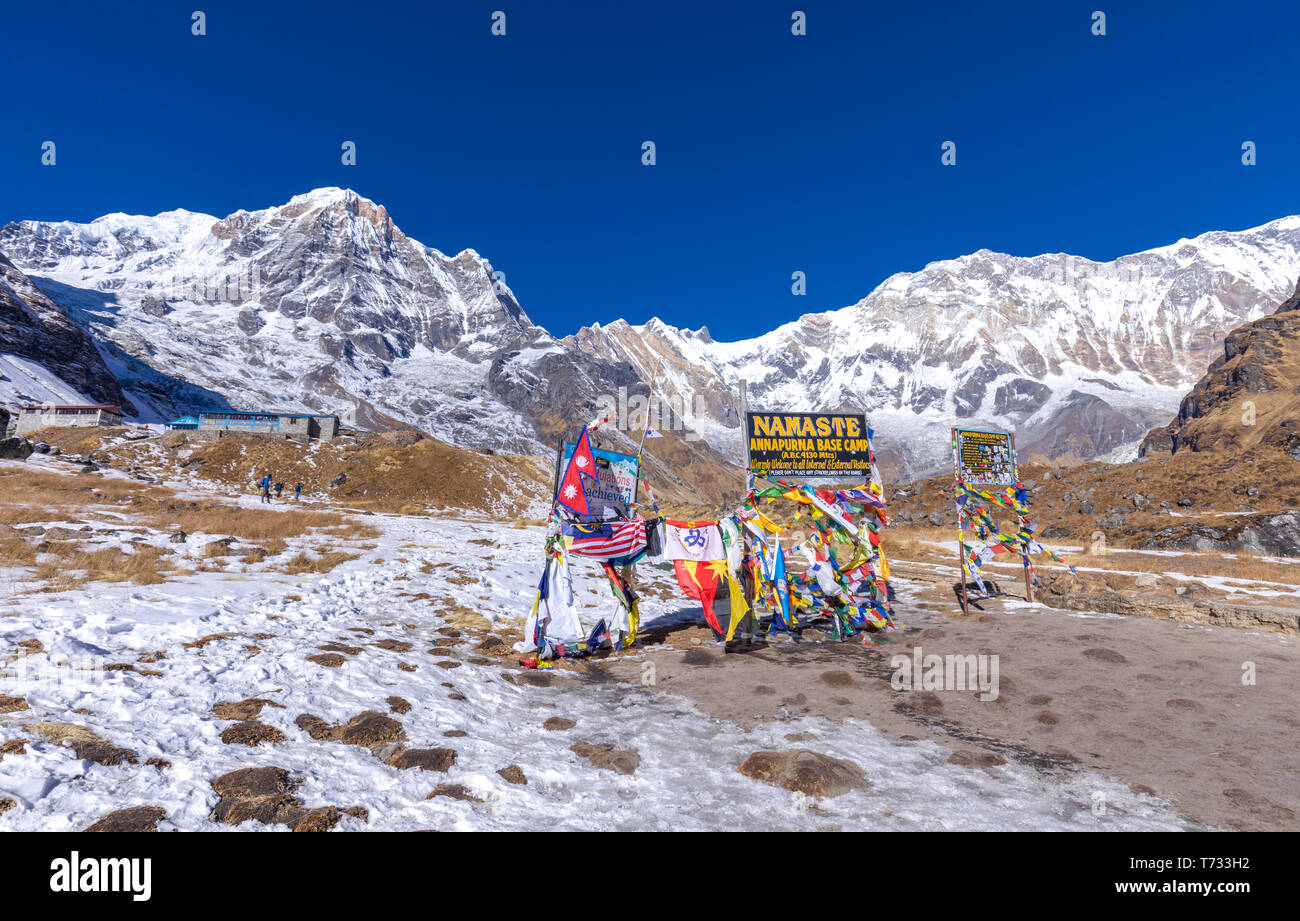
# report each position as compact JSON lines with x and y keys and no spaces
{"x":323,"y":300}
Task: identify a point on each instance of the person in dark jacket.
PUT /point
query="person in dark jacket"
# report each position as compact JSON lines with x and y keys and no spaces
{"x":279,"y":488}
{"x":297,"y":492}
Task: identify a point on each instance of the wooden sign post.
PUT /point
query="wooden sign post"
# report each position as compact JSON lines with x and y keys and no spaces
{"x":983,"y":458}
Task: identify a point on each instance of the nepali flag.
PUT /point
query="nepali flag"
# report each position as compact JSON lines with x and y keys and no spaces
{"x":573,"y":488}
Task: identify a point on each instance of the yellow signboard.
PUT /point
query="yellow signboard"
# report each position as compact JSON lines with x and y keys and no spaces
{"x":808,"y":445}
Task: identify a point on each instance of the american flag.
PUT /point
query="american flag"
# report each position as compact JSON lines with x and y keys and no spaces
{"x":605,"y":540}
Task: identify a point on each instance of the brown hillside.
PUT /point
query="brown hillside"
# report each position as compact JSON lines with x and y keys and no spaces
{"x":1191,"y":500}
{"x":1250,"y":396}
{"x":392,"y":471}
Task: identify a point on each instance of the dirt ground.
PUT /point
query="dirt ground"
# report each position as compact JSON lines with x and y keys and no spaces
{"x":1157,"y":704}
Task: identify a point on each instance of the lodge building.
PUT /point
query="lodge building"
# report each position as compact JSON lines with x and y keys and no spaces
{"x":47,"y":415}
{"x":301,"y":427}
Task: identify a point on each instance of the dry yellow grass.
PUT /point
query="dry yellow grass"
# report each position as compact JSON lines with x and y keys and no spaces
{"x":107,"y":564}
{"x":392,"y":471}
{"x":305,"y":562}
{"x":917,"y":544}
{"x":59,"y":733}
{"x":1244,"y":568}
{"x":28,"y":496}
{"x":15,"y":551}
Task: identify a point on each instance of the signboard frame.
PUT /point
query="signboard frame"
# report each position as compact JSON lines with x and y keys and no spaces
{"x":1011,"y":458}
{"x":806,"y":476}
{"x":604,"y":461}
{"x":820,"y":438}
{"x":1014,"y":461}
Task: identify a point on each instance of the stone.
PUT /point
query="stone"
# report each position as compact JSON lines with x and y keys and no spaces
{"x":514,"y":774}
{"x":327,"y":659}
{"x":454,"y":791}
{"x":262,"y":794}
{"x":558,"y":723}
{"x":398,"y":704}
{"x":243,"y":709}
{"x":426,"y":759}
{"x":972,"y":758}
{"x":370,"y":728}
{"x":804,"y":771}
{"x":251,"y":732}
{"x":16,"y":449}
{"x":607,"y":758}
{"x":134,"y":819}
{"x":102,"y":752}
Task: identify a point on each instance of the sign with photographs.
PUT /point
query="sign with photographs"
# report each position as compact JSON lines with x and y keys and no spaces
{"x":616,"y":474}
{"x":985,"y":458}
{"x":808,"y":445}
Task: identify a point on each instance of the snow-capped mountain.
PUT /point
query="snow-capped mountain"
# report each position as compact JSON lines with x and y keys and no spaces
{"x":45,"y":356}
{"x":1079,"y":357}
{"x":321,"y":303}
{"x":324,"y":303}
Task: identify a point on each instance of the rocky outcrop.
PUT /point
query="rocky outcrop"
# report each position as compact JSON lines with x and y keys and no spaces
{"x":1249,"y":397}
{"x":15,"y":448}
{"x":34,"y":327}
{"x":1076,"y":593}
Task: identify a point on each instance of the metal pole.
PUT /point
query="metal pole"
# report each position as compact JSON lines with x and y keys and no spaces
{"x":746,"y":580}
{"x":649,"y":402}
{"x":1015,"y":466}
{"x":961,"y":540}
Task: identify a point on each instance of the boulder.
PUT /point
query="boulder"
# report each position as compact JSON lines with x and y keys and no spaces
{"x":15,"y":448}
{"x":134,"y":819}
{"x":807,"y":772}
{"x":607,"y":758}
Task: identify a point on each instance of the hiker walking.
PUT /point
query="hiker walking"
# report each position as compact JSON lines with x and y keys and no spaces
{"x":297,"y":491}
{"x":279,"y":488}
{"x":265,"y":485}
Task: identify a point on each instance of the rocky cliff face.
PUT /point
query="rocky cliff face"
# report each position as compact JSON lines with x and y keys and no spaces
{"x":35,"y":337}
{"x":1249,"y":397}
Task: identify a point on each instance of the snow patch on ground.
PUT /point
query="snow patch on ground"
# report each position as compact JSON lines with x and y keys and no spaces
{"x":688,"y":777}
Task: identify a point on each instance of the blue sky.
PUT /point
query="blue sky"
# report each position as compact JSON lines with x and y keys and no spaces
{"x":776,"y":153}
